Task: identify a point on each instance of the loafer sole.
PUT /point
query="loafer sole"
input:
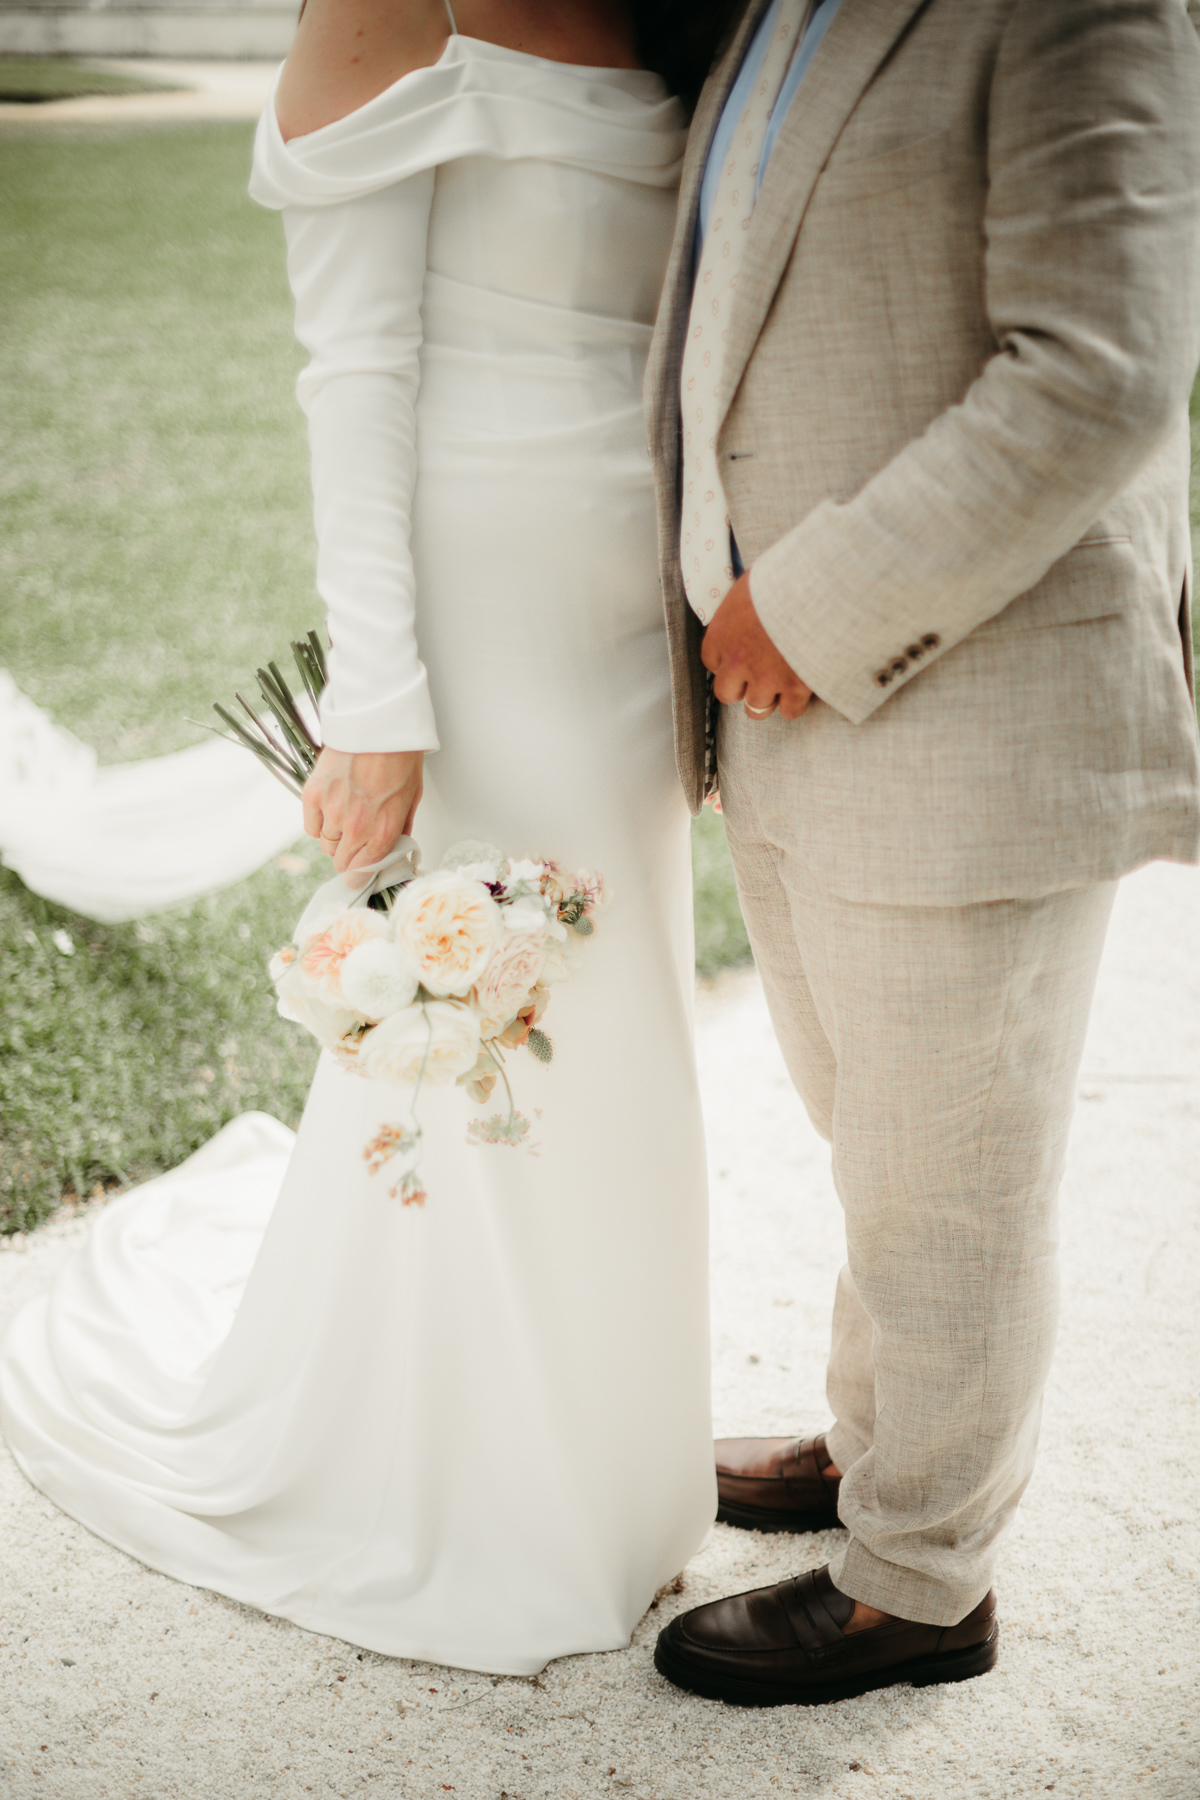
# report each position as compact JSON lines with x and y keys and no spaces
{"x":919,"y":1671}
{"x":765,"y":1518}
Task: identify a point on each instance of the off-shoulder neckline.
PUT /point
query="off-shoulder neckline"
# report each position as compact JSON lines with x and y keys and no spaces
{"x":547,"y":62}
{"x":615,"y":77}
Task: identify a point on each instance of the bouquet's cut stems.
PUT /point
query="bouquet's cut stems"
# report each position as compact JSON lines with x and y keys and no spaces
{"x":310,"y":661}
{"x":266,"y":754}
{"x":317,"y":649}
{"x":283,"y":707}
{"x":282,"y":742}
{"x":286,"y":700}
{"x":285,"y":751}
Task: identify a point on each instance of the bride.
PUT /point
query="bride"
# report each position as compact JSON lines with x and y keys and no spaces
{"x":478,"y":1433}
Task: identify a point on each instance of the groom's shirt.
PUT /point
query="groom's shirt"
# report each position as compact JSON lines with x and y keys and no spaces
{"x":818,"y":25}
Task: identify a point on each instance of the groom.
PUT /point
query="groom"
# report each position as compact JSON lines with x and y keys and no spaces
{"x":918,"y":410}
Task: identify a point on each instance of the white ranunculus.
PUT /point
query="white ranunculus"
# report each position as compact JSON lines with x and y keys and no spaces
{"x":378,"y":978}
{"x":434,"y":1041}
{"x":449,"y":927}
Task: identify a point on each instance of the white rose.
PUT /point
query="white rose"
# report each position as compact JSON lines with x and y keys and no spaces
{"x":508,"y":981}
{"x":378,"y":978}
{"x":435,"y":1041}
{"x":449,"y":927}
{"x":331,"y":1025}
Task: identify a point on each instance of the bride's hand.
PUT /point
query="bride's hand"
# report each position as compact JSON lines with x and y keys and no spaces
{"x":359,"y":805}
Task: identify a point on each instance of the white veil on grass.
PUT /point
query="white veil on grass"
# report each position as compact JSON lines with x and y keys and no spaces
{"x":121,"y":842}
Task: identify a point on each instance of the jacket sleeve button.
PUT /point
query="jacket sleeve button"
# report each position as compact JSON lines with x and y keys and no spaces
{"x":931,"y":640}
{"x":899,"y":666}
{"x":883,"y":676}
{"x":914,"y":651}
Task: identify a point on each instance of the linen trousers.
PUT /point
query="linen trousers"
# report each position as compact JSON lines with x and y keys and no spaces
{"x":937,"y":1049}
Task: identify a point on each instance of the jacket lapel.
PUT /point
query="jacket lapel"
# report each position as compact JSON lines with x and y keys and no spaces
{"x":855,"y":44}
{"x":676,"y":300}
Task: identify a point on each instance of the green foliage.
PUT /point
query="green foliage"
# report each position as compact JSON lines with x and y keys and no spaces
{"x":37,"y":78}
{"x":721,"y":941}
{"x":124,"y":1047}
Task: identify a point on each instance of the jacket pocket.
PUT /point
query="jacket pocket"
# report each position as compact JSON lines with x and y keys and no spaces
{"x":1098,"y":579}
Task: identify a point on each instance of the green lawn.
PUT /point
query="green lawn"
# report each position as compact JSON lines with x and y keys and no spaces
{"x":32,"y":79}
{"x":155,"y":545}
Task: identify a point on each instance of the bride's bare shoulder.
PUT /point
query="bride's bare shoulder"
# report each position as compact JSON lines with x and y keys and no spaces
{"x":345,"y":52}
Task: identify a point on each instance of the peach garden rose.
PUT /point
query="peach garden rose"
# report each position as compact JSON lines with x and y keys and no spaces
{"x":320,"y":962}
{"x":449,"y":927}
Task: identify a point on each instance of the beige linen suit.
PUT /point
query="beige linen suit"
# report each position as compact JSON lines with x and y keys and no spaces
{"x":953,"y":438}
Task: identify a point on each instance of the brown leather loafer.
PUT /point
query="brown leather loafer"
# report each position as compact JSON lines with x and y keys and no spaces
{"x":784,"y":1646}
{"x":776,"y":1484}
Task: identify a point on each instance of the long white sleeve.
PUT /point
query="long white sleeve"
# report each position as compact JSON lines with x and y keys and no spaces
{"x":357,"y":270}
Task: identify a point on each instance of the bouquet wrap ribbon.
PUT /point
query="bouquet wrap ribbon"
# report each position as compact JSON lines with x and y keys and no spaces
{"x":356,"y":887}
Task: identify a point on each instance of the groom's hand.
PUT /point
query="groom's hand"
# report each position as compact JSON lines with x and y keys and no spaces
{"x":359,"y":805}
{"x":745,"y":664}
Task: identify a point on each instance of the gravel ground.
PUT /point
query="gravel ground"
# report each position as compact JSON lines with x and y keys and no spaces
{"x":119,"y":1682}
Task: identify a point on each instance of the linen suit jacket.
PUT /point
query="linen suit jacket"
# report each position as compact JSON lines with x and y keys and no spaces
{"x":953,"y":436}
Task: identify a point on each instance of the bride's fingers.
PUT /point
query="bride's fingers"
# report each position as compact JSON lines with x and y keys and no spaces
{"x":352,"y":850}
{"x":314,"y":821}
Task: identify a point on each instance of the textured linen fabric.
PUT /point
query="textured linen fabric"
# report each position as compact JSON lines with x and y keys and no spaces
{"x":937,"y":1049}
{"x":952,"y":432}
{"x":954,"y":439}
{"x":477,"y":1433}
{"x":705,"y":545}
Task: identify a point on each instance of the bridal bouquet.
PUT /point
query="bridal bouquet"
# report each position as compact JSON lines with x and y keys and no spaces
{"x":452,"y":973}
{"x":416,"y":978}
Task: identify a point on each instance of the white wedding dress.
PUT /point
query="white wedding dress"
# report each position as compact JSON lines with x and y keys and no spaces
{"x":476,"y":1433}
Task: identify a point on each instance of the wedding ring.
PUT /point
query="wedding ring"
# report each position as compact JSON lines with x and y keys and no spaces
{"x":756,"y":713}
